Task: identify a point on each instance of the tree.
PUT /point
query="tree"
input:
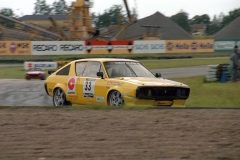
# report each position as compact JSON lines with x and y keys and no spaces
{"x":112,"y":16}
{"x":181,"y":19}
{"x":134,"y":13}
{"x":41,"y":8}
{"x":205,"y":19}
{"x":232,"y":16}
{"x":59,"y":7}
{"x":8,"y":13}
{"x":215,"y":25}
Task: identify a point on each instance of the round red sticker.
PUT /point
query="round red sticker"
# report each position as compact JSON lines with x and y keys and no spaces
{"x":13,"y":47}
{"x":71,"y":83}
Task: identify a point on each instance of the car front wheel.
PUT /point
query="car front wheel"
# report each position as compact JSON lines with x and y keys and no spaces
{"x":115,"y":99}
{"x":59,"y":98}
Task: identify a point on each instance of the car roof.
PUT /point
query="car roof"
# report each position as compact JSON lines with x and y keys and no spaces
{"x":106,"y":59}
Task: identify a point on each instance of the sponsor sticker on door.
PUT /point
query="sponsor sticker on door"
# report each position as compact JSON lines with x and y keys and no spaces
{"x":71,"y":85}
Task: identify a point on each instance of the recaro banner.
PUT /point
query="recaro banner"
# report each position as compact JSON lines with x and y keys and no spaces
{"x":15,"y":48}
{"x":157,"y":46}
{"x":57,"y":47}
{"x":185,"y":46}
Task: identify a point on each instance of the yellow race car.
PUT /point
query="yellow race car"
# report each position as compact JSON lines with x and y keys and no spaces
{"x":114,"y":82}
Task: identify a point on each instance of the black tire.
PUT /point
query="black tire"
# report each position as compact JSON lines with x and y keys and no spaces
{"x":59,"y":98}
{"x":43,"y":78}
{"x":115,"y":99}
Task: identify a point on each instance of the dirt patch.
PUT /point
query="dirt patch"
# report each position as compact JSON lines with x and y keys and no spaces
{"x":53,"y":134}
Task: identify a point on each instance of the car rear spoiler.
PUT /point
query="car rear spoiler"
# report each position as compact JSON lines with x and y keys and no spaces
{"x":50,"y":72}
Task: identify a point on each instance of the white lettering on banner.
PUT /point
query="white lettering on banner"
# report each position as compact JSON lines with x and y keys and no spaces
{"x":45,"y":47}
{"x":69,"y":47}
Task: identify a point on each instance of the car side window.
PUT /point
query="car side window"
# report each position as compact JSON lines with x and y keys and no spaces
{"x":64,"y":71}
{"x":80,"y":66}
{"x":92,"y":68}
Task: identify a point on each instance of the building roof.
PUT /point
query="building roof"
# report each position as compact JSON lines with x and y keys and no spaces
{"x":231,"y":31}
{"x":169,"y":29}
{"x":198,"y":26}
{"x":43,"y":17}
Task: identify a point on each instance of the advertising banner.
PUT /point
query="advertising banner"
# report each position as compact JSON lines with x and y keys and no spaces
{"x":157,"y":46}
{"x":189,"y":46}
{"x":238,"y":44}
{"x":15,"y":48}
{"x":109,"y":47}
{"x":42,"y":65}
{"x":224,"y":45}
{"x":57,"y":47}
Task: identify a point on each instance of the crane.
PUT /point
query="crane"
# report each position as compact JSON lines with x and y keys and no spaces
{"x":56,"y":26}
{"x":128,"y":11}
{"x":81,"y":23}
{"x":29,"y":29}
{"x":130,"y":18}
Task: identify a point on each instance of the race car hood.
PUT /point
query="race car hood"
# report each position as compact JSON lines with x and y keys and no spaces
{"x":145,"y":81}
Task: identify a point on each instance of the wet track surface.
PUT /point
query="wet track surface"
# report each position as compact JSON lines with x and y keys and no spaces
{"x":22,"y":92}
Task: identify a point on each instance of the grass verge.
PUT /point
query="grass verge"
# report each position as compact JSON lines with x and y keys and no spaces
{"x":217,"y":94}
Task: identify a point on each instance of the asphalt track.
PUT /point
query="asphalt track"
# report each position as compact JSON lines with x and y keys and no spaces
{"x":22,"y":92}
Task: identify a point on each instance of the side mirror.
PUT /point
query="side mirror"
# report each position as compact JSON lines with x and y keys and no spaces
{"x":50,"y":72}
{"x":158,"y":75}
{"x":100,"y":74}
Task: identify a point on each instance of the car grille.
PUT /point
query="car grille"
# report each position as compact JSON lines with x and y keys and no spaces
{"x":162,"y":93}
{"x":34,"y":75}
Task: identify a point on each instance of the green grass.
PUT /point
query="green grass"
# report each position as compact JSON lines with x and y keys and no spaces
{"x":183,"y":63}
{"x":13,"y":73}
{"x":215,"y":94}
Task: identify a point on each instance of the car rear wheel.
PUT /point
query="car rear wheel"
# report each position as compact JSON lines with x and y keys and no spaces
{"x":59,"y":98}
{"x":115,"y":99}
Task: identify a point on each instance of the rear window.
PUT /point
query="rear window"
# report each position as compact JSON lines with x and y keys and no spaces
{"x":64,"y":71}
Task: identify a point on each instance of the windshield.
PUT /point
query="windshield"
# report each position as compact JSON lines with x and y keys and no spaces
{"x":126,"y":69}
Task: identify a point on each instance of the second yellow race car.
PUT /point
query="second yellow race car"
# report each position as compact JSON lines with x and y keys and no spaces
{"x":114,"y":82}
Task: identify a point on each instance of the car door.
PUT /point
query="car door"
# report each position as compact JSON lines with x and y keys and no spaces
{"x":91,"y":89}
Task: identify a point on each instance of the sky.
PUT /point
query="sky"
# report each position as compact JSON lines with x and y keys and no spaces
{"x":144,"y":7}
